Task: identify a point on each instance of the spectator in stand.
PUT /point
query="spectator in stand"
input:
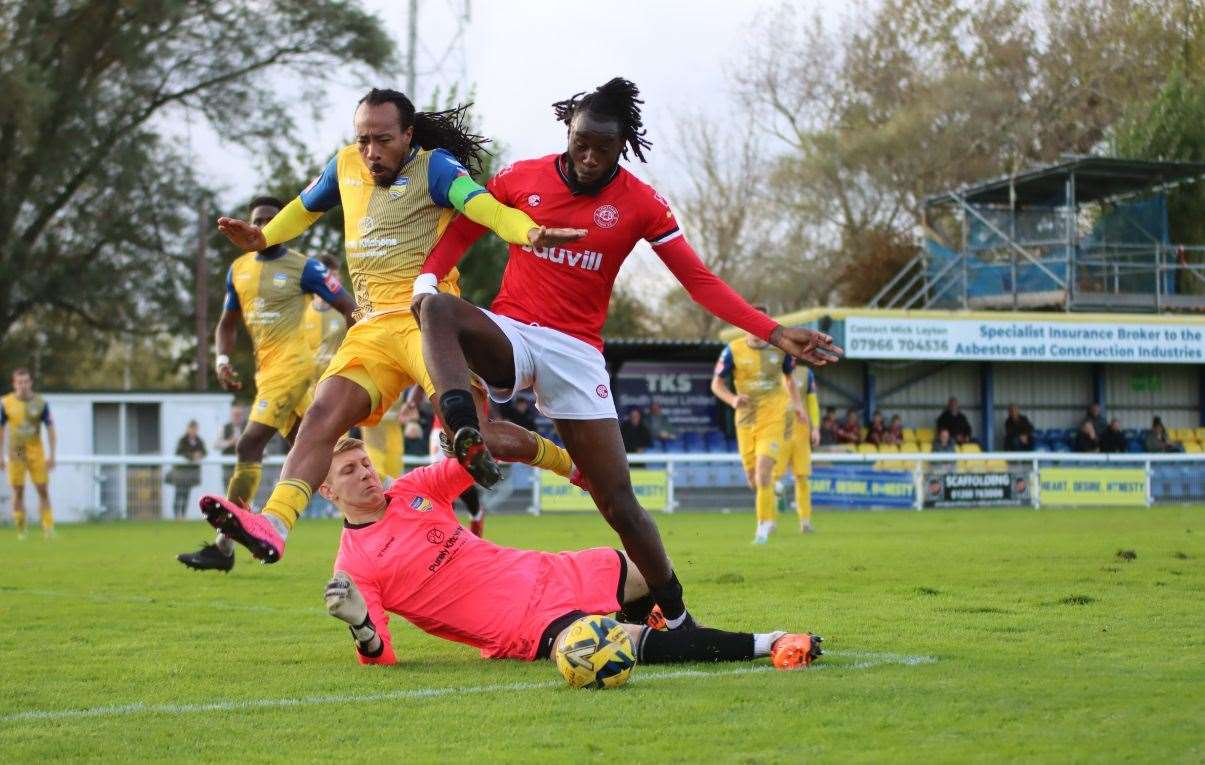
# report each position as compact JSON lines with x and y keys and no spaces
{"x":954,"y":421}
{"x":850,"y":429}
{"x":1114,"y":440}
{"x":185,"y":478}
{"x":943,"y":443}
{"x":895,"y":431}
{"x":518,"y":411}
{"x":1018,"y":431}
{"x":1093,"y":415}
{"x":1156,"y":439}
{"x":877,"y":430}
{"x":635,"y":434}
{"x":658,"y":423}
{"x":829,"y":428}
{"x":1085,"y":439}
{"x":413,"y":441}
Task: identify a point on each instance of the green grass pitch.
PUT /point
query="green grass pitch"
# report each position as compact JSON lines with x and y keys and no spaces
{"x":988,"y":635}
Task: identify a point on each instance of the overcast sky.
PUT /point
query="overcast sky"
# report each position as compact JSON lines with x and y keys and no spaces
{"x":521,"y":55}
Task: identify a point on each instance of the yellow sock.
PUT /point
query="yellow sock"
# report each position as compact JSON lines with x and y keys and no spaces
{"x":19,"y":520}
{"x":288,"y":500}
{"x":765,"y":504}
{"x":244,"y":483}
{"x":47,"y":516}
{"x":803,"y":498}
{"x":549,"y":456}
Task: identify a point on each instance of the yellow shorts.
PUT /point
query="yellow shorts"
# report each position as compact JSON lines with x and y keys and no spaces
{"x":280,"y":400}
{"x":384,"y":356}
{"x":764,"y":438}
{"x":796,"y":452}
{"x":31,"y":460}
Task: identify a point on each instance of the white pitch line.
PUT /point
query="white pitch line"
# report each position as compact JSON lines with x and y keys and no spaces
{"x":645,"y":676}
{"x":142,"y":600}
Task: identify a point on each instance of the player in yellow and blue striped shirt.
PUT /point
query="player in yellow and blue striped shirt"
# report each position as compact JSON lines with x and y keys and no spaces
{"x":22,"y":415}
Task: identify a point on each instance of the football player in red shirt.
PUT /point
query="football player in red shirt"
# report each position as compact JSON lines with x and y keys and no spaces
{"x":544,"y":328}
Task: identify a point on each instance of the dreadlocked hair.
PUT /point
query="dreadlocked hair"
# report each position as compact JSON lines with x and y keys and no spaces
{"x":448,"y":129}
{"x":620,"y":100}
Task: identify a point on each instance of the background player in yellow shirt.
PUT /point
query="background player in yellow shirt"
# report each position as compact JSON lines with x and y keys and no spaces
{"x":325,"y":327}
{"x":754,"y":378}
{"x":22,"y":415}
{"x":399,"y":185}
{"x":269,"y":291}
{"x":802,"y":433}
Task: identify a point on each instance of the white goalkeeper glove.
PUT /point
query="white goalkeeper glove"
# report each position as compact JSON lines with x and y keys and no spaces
{"x":344,"y":602}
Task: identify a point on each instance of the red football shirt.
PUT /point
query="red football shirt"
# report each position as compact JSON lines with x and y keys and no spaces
{"x":569,"y":288}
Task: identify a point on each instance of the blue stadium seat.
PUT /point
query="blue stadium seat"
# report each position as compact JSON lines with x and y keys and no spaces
{"x":675,"y":446}
{"x":1135,"y":446}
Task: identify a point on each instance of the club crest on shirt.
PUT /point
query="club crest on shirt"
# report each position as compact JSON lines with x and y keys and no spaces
{"x":533,"y":200}
{"x":280,"y":279}
{"x":606,"y":216}
{"x":420,"y":504}
{"x":399,"y":187}
{"x":367,"y":223}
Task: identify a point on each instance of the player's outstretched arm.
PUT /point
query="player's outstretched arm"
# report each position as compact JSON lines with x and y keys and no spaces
{"x":711,"y":292}
{"x":345,"y":602}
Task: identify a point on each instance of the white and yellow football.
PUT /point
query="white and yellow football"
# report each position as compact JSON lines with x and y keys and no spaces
{"x":596,"y":653}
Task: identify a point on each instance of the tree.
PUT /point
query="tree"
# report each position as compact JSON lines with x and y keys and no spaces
{"x":97,"y":207}
{"x":918,"y":96}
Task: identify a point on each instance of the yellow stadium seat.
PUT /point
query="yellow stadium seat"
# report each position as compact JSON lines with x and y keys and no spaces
{"x":926,"y":446}
{"x":907,"y":434}
{"x":864,"y":432}
{"x":924,"y":435}
{"x":1176,"y":434}
{"x":996,"y":466}
{"x":1192,"y":447}
{"x":889,"y":449}
{"x":969,"y":448}
{"x":909,"y":445}
{"x":973,"y":466}
{"x":1200,"y":434}
{"x":868,"y":449}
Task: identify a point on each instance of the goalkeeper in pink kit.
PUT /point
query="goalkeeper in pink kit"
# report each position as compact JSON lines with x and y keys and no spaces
{"x":403,"y":551}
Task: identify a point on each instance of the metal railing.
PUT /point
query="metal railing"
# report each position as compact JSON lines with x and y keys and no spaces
{"x":104,"y":485}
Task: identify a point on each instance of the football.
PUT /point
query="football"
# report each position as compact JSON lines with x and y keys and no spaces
{"x":596,"y":653}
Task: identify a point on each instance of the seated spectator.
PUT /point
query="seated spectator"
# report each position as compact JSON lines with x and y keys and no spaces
{"x":658,"y":423}
{"x":895,"y":431}
{"x":1018,"y":431}
{"x":1114,"y":440}
{"x":518,"y":411}
{"x":850,"y":429}
{"x":877,"y":430}
{"x":1156,"y":439}
{"x":635,"y":434}
{"x":828,"y":428}
{"x":1093,"y":415}
{"x":943,"y":443}
{"x":954,"y":421}
{"x":1085,"y":439}
{"x":414,"y":444}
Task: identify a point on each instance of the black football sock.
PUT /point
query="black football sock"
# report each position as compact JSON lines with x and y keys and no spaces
{"x":458,"y":410}
{"x":669,"y":597}
{"x":701,"y":644}
{"x":472,"y":501}
{"x":636,"y":611}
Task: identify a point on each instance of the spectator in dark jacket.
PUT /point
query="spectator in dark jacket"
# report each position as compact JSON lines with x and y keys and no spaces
{"x":1085,"y":439}
{"x":1018,"y":431}
{"x":953,"y":420}
{"x":849,"y":431}
{"x":635,"y":434}
{"x":1093,"y":415}
{"x":1156,"y":439}
{"x":877,"y":431}
{"x":1114,"y":440}
{"x":658,"y":423}
{"x":828,"y":428}
{"x":518,"y":411}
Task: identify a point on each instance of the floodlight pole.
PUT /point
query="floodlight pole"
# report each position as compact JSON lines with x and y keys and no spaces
{"x":411,"y":51}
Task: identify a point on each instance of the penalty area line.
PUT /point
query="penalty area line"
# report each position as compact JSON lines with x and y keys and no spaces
{"x":864,"y":660}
